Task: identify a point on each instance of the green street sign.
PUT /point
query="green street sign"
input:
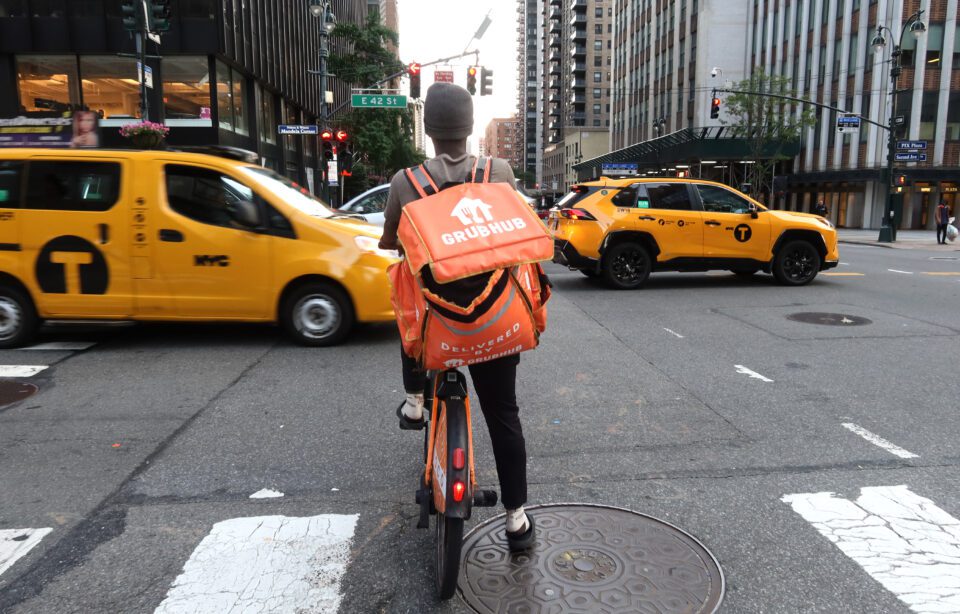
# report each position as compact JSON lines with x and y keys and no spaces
{"x":377,"y":101}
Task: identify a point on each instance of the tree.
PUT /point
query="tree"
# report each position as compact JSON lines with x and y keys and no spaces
{"x":771,"y":126}
{"x":382,"y":139}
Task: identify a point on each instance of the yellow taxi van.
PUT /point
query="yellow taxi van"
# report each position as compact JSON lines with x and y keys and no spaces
{"x":624,"y":229}
{"x":177,"y":235}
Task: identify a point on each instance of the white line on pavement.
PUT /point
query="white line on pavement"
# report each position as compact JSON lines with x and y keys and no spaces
{"x":20,"y":370}
{"x":751,"y":373}
{"x":899,"y":271}
{"x":265,"y":564}
{"x":675,"y":334}
{"x":266,"y":493}
{"x":907,"y":543}
{"x":14,"y":543}
{"x":67,"y":346}
{"x":879,"y":441}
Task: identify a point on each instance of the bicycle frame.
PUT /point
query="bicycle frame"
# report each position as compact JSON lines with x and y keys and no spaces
{"x":451,"y":473}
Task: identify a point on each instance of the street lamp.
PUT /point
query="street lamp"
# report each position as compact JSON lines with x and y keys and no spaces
{"x":888,"y":232}
{"x":323,"y":10}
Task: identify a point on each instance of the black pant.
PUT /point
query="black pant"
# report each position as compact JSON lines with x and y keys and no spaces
{"x":496,"y":385}
{"x":941,"y":232}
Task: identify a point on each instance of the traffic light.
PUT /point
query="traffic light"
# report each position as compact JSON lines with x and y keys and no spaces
{"x":486,"y":82}
{"x":327,"y":147}
{"x":414,"y":70}
{"x":715,"y":108}
{"x":472,"y":80}
{"x":158,"y":16}
{"x":900,"y":181}
{"x":344,"y":152}
{"x":129,"y":11}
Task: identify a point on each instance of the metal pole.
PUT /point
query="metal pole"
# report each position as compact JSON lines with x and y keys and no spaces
{"x":142,"y":59}
{"x":324,"y":53}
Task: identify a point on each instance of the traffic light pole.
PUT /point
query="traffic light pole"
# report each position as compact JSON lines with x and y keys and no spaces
{"x":142,"y":59}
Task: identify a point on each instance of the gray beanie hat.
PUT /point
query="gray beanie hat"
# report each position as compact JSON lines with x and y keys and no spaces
{"x":448,"y":112}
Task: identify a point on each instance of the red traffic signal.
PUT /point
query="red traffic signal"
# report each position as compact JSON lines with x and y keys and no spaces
{"x":715,"y":108}
{"x":342,"y":135}
{"x":414,"y":68}
{"x":326,"y":134}
{"x":472,"y":80}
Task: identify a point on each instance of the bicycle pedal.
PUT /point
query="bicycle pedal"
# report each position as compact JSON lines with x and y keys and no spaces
{"x":485,"y":498}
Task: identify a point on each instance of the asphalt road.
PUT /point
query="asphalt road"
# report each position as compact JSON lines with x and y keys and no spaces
{"x":695,"y":400}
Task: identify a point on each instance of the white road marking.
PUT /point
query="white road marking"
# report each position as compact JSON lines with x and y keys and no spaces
{"x":751,"y":373}
{"x":265,"y":564}
{"x":675,"y":334}
{"x":907,"y":543}
{"x":67,"y":346}
{"x":14,"y":543}
{"x":20,"y":370}
{"x":899,"y":271}
{"x":844,"y":264}
{"x":266,"y":493}
{"x":879,"y":441}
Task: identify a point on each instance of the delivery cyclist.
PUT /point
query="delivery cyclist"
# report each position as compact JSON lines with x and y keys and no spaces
{"x":448,"y":121}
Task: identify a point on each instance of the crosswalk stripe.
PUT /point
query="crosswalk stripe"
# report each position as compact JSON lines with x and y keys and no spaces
{"x":20,"y":370}
{"x":842,"y":274}
{"x":66,"y":346}
{"x":14,"y":543}
{"x":942,"y":273}
{"x":265,"y":564}
{"x":907,"y":543}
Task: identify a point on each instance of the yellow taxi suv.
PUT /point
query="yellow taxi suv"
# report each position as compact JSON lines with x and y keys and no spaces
{"x":623,"y":229}
{"x":172,"y":235}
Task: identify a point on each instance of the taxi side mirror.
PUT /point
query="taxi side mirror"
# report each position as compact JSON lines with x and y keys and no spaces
{"x":754,"y":211}
{"x":245,"y":213}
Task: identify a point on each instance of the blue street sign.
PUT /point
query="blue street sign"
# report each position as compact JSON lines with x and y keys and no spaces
{"x":910,"y":157}
{"x":911,"y":145}
{"x":619,"y":168}
{"x":297,"y":129}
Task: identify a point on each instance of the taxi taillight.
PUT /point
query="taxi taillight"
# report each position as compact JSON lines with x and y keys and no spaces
{"x":576,"y":214}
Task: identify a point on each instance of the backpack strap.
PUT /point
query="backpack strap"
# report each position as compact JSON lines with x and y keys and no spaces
{"x":421,"y":181}
{"x":481,"y":170}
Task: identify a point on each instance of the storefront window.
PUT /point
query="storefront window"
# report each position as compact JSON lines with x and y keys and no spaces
{"x":928,"y":114}
{"x":953,"y":117}
{"x":268,"y":117}
{"x":240,"y":120}
{"x":48,"y":83}
{"x":224,"y":96}
{"x":111,"y":88}
{"x":186,"y":91}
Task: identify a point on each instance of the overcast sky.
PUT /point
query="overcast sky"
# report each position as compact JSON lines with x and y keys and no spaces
{"x":430,"y":30}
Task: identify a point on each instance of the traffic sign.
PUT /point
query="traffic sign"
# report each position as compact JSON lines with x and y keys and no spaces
{"x":377,"y":101}
{"x":910,"y":157}
{"x":620,"y":168}
{"x":848,"y":122}
{"x":298,"y":129}
{"x":443,"y":76}
{"x":145,"y":76}
{"x":899,"y":120}
{"x":911,"y":145}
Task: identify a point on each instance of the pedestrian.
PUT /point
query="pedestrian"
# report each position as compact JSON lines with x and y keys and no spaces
{"x":820,"y":209}
{"x":943,"y":218}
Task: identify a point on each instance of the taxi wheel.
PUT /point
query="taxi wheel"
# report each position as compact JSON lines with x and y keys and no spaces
{"x":796,"y":264}
{"x":18,"y":318}
{"x":317,"y":314}
{"x":626,"y":266}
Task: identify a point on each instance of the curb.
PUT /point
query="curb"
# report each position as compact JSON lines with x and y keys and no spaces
{"x":907,"y":245}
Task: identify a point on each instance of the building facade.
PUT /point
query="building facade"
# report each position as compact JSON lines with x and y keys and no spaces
{"x":669,"y":55}
{"x":530,"y":74}
{"x":230,"y":72}
{"x":501,"y":140}
{"x":826,"y":48}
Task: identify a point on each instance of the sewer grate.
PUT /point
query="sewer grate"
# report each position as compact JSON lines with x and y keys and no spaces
{"x":828,"y":319}
{"x":590,"y":559}
{"x":11,"y":392}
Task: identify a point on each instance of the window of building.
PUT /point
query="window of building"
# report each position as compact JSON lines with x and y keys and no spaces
{"x":598,"y":28}
{"x":956,"y":47}
{"x":224,"y":96}
{"x":13,"y":8}
{"x":186,"y":90}
{"x":48,"y":83}
{"x":596,"y":123}
{"x":596,"y":108}
{"x":597,"y":76}
{"x":908,"y":52}
{"x":232,"y":99}
{"x":597,"y":45}
{"x":598,"y":12}
{"x":928,"y":114}
{"x":934,"y":45}
{"x":111,"y":87}
{"x":202,"y":9}
{"x":48,"y":8}
{"x":268,"y":116}
{"x":598,"y":60}
{"x":953,"y":117}
{"x":72,"y":186}
{"x":596,"y":92}
{"x":204,"y":195}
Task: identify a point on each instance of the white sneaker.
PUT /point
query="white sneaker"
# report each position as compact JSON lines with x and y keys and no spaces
{"x":413,"y":408}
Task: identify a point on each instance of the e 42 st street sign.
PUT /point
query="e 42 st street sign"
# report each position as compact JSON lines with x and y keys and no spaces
{"x":377,"y":101}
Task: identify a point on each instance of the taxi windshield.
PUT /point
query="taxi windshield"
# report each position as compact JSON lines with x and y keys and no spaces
{"x":289,"y":192}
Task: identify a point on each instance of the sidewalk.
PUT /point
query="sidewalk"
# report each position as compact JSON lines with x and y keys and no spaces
{"x":906,"y":239}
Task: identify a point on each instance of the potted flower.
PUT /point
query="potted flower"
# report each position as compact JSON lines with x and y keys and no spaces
{"x":145,"y":135}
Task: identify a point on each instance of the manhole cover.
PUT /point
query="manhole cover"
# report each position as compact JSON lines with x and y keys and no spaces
{"x":828,"y":319}
{"x":11,"y":392}
{"x":590,"y":559}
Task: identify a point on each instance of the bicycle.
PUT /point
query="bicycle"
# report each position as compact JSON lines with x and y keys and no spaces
{"x":448,"y":486}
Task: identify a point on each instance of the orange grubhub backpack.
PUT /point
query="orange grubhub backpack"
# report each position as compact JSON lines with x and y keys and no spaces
{"x":471,"y":288}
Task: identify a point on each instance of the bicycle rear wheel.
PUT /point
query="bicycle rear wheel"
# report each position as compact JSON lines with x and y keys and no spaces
{"x":449,"y":541}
